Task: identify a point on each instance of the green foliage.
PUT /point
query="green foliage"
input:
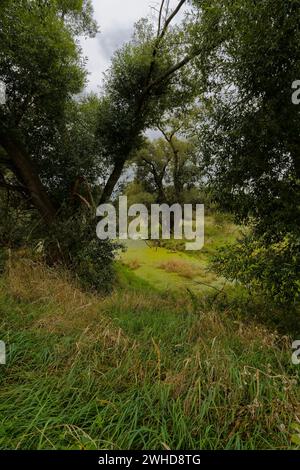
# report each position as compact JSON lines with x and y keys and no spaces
{"x":123,"y":112}
{"x":137,"y":194}
{"x":74,"y":161}
{"x":15,"y":220}
{"x":271,"y":268}
{"x":250,"y":136}
{"x":71,"y":177}
{"x":42,"y":67}
{"x":169,"y":168}
{"x":209,"y":77}
{"x":72,"y":242}
{"x":136,"y":94}
{"x":39,"y":63}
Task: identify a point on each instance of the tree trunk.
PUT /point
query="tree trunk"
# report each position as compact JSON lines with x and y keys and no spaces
{"x":112,"y":181}
{"x":177,"y":172}
{"x":25,"y":169}
{"x":162,"y":199}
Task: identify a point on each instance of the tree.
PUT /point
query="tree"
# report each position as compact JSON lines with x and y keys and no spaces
{"x":250,"y":138}
{"x":74,"y":164}
{"x":153,"y":160}
{"x":149,"y":76}
{"x":49,"y":157}
{"x":185,"y":164}
{"x":40,"y":65}
{"x":168,"y":166}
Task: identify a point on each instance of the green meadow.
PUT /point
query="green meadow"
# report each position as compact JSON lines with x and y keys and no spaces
{"x":160,"y":363}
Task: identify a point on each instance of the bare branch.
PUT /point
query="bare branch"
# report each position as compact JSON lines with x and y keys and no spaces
{"x":171,"y":17}
{"x":169,"y":137}
{"x":161,"y":33}
{"x":160,"y":17}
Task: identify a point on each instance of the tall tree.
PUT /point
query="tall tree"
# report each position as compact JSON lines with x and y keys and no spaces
{"x":250,"y":138}
{"x":169,"y":166}
{"x":41,"y":67}
{"x":148,"y":76}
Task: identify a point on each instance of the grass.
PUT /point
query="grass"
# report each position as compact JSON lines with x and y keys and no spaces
{"x":182,"y":268}
{"x":140,"y":369}
{"x":219,"y":230}
{"x":134,"y":264}
{"x":165,"y":269}
{"x":165,"y":265}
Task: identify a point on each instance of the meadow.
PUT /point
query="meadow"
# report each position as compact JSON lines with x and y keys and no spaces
{"x":160,"y":363}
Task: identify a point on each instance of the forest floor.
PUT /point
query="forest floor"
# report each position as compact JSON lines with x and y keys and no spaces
{"x":160,"y":363}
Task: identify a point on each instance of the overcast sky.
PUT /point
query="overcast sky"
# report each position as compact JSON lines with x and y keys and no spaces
{"x":115,"y":19}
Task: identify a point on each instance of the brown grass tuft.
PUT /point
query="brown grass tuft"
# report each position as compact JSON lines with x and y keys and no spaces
{"x":133,"y":264}
{"x":182,"y":268}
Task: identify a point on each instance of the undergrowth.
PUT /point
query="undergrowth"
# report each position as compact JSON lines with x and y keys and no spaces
{"x":140,"y":369}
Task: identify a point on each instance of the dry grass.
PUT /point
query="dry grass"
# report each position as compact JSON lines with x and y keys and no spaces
{"x":182,"y":268}
{"x":219,"y":368}
{"x":68,"y":308}
{"x":133,"y":264}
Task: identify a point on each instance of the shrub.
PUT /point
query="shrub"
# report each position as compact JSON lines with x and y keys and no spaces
{"x":73,"y":243}
{"x":273,"y":268}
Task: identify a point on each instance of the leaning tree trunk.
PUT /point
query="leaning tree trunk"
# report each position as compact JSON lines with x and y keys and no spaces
{"x":112,"y":181}
{"x":25,"y":169}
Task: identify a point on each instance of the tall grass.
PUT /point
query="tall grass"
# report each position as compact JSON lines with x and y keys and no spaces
{"x":139,"y":369}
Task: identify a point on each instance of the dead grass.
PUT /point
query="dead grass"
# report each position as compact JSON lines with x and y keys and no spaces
{"x":133,"y":264}
{"x":68,"y":308}
{"x":182,"y":268}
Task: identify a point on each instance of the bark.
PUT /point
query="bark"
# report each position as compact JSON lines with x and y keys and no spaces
{"x":112,"y":181}
{"x":25,"y":171}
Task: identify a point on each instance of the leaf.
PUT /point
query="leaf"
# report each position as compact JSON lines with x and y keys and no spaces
{"x":295,"y":438}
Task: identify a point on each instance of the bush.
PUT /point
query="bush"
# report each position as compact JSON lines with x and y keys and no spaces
{"x":73,"y":243}
{"x":272,"y":268}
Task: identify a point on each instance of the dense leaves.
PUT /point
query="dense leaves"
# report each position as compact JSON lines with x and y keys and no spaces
{"x":50,"y":159}
{"x":250,"y":137}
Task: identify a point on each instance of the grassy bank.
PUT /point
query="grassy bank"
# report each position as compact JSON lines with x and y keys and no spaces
{"x":140,"y":369}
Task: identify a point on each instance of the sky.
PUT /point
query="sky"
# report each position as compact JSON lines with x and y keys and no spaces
{"x":116,"y":19}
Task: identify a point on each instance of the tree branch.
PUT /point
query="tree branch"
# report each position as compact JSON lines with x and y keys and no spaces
{"x":161,"y":33}
{"x":171,"y":71}
{"x":160,"y":16}
{"x":171,"y":17}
